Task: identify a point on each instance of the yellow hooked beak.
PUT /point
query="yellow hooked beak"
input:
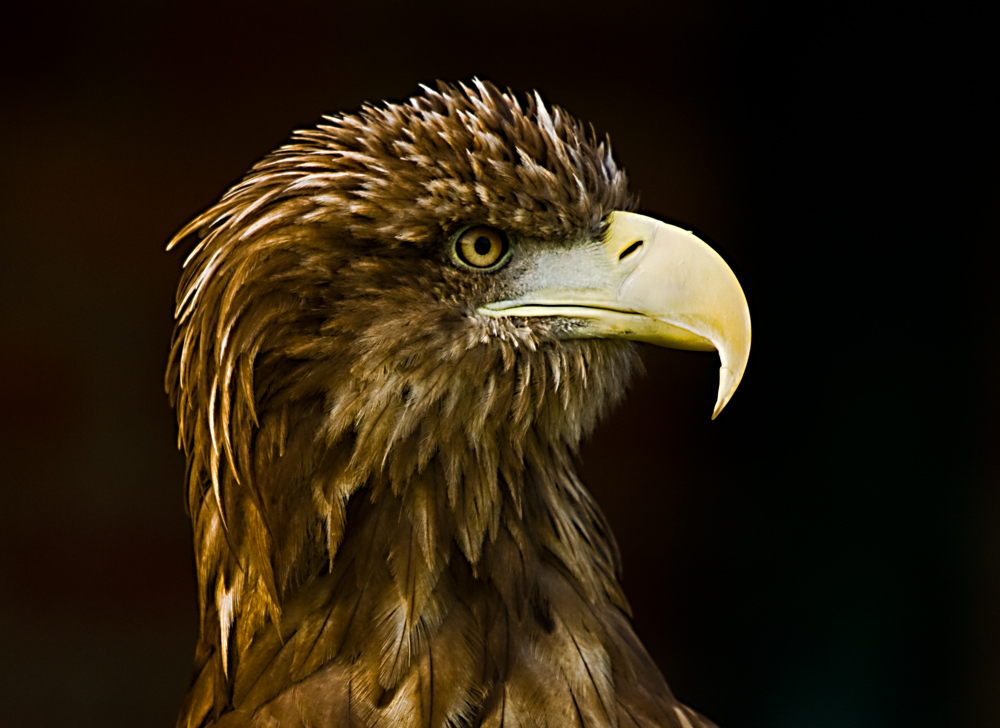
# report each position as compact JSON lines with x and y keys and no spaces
{"x":647,"y":281}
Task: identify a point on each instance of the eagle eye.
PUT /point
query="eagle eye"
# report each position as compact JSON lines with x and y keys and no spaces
{"x":482,"y":247}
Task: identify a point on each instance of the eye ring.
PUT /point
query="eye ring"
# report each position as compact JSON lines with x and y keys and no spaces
{"x":481,"y":247}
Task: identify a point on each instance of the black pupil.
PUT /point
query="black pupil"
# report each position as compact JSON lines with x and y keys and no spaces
{"x":483,"y":245}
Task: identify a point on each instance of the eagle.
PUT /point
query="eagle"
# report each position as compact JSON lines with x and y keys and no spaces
{"x":391,"y":337}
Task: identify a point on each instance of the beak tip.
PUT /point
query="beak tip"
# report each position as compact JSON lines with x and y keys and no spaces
{"x":727,"y":385}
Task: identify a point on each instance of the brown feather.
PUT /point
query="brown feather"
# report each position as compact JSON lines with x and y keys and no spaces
{"x":388,"y":525}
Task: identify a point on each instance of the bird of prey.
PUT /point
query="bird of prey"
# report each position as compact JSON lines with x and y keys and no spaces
{"x":391,"y":337}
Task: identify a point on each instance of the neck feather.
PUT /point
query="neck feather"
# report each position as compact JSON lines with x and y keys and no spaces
{"x":395,"y":544}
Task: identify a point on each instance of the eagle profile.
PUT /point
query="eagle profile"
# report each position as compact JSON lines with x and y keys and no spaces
{"x":391,"y":337}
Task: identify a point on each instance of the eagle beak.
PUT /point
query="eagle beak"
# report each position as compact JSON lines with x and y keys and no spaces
{"x":646,"y":281}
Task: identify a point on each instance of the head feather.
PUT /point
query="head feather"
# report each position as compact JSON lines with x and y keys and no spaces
{"x":324,"y":347}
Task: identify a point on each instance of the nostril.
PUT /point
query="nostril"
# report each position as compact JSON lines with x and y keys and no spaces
{"x":630,"y":249}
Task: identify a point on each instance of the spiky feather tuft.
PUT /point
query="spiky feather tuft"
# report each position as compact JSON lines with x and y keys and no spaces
{"x":388,"y":524}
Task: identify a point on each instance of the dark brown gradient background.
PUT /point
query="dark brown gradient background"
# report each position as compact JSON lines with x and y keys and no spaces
{"x":825,"y":554}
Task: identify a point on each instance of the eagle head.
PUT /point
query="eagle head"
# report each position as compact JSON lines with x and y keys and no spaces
{"x":391,"y":337}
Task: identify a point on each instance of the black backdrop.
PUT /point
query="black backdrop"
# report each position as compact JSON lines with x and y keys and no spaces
{"x":825,"y":554}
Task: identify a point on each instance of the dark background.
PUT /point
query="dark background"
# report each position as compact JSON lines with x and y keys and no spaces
{"x":826,"y":553}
